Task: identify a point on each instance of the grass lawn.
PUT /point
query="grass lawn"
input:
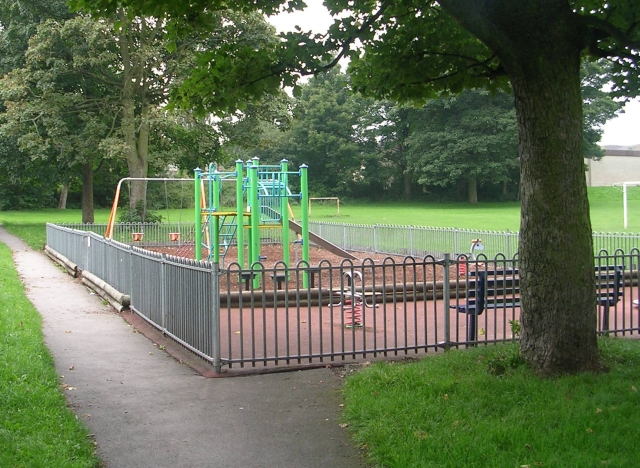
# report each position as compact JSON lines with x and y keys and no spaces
{"x":36,"y":427}
{"x":472,"y":409}
{"x":605,"y":202}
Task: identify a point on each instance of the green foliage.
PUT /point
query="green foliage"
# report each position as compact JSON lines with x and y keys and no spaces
{"x":37,"y":428}
{"x":599,"y":106}
{"x":448,"y":411}
{"x":506,"y":360}
{"x":326,"y":134}
{"x":470,"y":136}
{"x":139,"y":214}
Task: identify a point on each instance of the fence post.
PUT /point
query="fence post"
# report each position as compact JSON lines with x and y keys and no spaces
{"x":344,"y":236}
{"x":411,"y":240}
{"x":375,"y":238}
{"x":165,"y":291}
{"x":508,"y":236}
{"x":455,"y":241}
{"x":86,"y":246}
{"x":446,"y":296}
{"x":215,"y":318}
{"x":131,"y":294}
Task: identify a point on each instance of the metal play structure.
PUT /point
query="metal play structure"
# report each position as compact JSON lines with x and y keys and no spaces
{"x":137,"y":236}
{"x":262,"y":201}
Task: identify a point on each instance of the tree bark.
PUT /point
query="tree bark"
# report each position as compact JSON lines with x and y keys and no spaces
{"x":135,"y":131}
{"x":539,"y":45}
{"x":556,"y":245}
{"x":62,"y":201}
{"x":87,"y":194}
{"x":406,"y":177}
{"x":472,"y":190}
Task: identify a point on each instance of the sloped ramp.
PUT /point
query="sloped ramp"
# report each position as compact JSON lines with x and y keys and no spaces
{"x":325,"y":244}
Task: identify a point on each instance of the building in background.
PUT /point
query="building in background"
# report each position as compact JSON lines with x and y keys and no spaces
{"x":620,"y":164}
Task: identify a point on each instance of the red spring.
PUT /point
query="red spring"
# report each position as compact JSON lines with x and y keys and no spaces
{"x":353,"y":315}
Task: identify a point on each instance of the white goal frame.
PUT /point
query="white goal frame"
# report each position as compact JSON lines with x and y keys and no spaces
{"x":625,"y":208}
{"x":337,"y":200}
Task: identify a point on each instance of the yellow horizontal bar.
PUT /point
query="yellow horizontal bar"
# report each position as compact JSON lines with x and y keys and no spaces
{"x":223,"y":213}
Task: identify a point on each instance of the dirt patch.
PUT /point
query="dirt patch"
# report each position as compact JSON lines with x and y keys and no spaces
{"x":376,"y":269}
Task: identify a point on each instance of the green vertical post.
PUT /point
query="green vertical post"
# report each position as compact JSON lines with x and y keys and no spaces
{"x":255,"y":220}
{"x":284,"y":211}
{"x":198,"y":214}
{"x":249,"y":195}
{"x":210,"y":209}
{"x":304,"y":199}
{"x":240,"y":212}
{"x":216,"y":219}
{"x":255,"y":214}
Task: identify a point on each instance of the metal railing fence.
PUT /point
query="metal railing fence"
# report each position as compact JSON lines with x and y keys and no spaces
{"x":416,"y":241}
{"x":324,"y":313}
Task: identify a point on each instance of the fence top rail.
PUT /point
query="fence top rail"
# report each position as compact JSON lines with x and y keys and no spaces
{"x":377,"y":225}
{"x":461,"y":230}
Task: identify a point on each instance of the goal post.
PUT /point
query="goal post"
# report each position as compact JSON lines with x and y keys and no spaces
{"x":625,"y":198}
{"x":336,"y":199}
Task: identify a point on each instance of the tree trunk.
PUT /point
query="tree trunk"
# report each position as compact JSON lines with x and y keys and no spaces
{"x":472,"y":190}
{"x":62,"y":201}
{"x":556,"y":245}
{"x":87,"y":194}
{"x":406,"y":176}
{"x":135,"y":132}
{"x":137,"y":165}
{"x":539,"y":44}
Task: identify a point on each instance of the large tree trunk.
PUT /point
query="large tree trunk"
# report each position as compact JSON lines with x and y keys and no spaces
{"x":539,"y":45}
{"x":136,"y":152}
{"x":406,"y":177}
{"x":87,"y":194}
{"x":135,"y":131}
{"x":62,"y":201}
{"x":556,"y":245}
{"x":472,"y":190}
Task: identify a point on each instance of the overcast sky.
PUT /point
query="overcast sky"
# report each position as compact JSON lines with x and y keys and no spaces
{"x":624,"y":130}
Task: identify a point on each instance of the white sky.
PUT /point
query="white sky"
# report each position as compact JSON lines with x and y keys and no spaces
{"x":624,"y":130}
{"x":315,"y":18}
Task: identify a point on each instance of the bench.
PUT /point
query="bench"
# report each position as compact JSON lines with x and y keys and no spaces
{"x":609,"y":289}
{"x":500,"y":289}
{"x":490,"y":289}
{"x":247,"y":278}
{"x":313,"y":271}
{"x":279,"y":278}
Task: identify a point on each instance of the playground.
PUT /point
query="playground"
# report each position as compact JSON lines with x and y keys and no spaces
{"x":262,"y":207}
{"x":265,"y":305}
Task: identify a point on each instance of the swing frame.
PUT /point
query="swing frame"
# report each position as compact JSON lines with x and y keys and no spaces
{"x":138,"y":236}
{"x":173,"y":236}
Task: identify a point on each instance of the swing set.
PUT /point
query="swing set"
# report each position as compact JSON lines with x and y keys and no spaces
{"x":138,"y":236}
{"x":262,"y":201}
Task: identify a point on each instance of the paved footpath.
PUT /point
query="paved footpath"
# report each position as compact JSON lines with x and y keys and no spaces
{"x":148,"y":410}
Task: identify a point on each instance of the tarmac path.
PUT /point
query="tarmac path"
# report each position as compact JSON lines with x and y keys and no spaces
{"x":148,"y":410}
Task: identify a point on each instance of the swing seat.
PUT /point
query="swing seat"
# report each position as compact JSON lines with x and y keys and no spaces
{"x":174,"y":236}
{"x":137,"y":236}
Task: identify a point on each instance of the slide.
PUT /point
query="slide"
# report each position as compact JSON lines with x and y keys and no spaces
{"x":295,"y":227}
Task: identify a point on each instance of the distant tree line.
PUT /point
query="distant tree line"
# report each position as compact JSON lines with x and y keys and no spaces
{"x":83,"y":103}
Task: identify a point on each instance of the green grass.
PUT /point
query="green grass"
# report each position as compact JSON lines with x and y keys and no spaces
{"x":36,"y":427}
{"x":605,"y":202}
{"x":451,"y":411}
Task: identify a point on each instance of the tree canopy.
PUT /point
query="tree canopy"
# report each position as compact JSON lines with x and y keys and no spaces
{"x":409,"y":51}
